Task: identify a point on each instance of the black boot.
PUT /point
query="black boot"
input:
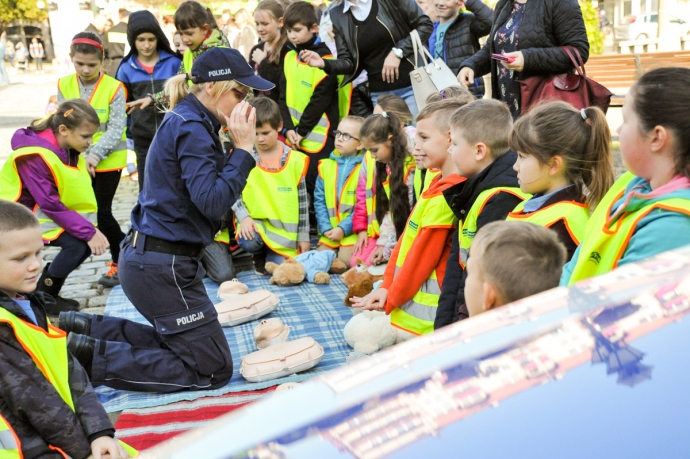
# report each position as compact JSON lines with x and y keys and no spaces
{"x":75,"y":322}
{"x":82,"y":348}
{"x":52,"y":285}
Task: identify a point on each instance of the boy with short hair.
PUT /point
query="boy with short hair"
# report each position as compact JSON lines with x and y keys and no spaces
{"x":537,"y":256}
{"x":479,"y":133}
{"x":273,"y":212}
{"x":309,"y":98}
{"x":336,"y":190}
{"x":46,"y":399}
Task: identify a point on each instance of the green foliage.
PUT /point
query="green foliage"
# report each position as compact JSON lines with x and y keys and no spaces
{"x":594,"y":34}
{"x":24,"y":10}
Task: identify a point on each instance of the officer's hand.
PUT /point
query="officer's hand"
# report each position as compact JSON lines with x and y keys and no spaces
{"x":247,"y":228}
{"x":304,"y":247}
{"x":106,"y":447}
{"x":362,"y":241}
{"x":139,"y":103}
{"x":336,"y":234}
{"x":98,"y":243}
{"x":242,"y":126}
{"x":312,"y":59}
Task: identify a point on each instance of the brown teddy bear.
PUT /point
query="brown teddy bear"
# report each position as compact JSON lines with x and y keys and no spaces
{"x":313,"y":265}
{"x":359,"y":281}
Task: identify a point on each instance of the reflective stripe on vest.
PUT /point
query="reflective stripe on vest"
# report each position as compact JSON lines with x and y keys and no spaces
{"x":373,"y":226}
{"x":272,"y":200}
{"x":301,"y":81}
{"x":420,"y":187}
{"x":73,"y":185}
{"x":574,"y":215}
{"x":48,"y":350}
{"x":606,"y":239}
{"x":339,"y":207}
{"x":418,"y":314}
{"x":469,"y":224}
{"x":103,"y":93}
{"x":10,"y":446}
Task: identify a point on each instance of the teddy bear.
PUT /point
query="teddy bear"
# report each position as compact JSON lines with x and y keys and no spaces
{"x":359,"y":281}
{"x":315,"y":266}
{"x":371,"y":331}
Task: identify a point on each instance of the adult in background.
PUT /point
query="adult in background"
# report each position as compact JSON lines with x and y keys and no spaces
{"x":531,"y":32}
{"x":246,"y":38}
{"x":193,"y":183}
{"x":456,"y":35}
{"x":116,"y":43}
{"x":4,"y":78}
{"x":384,"y":51}
{"x":37,"y":54}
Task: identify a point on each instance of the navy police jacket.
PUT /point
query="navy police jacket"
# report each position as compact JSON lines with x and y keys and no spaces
{"x":191,"y":182}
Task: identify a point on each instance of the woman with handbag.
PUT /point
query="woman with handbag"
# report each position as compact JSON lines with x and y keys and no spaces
{"x":525,"y":40}
{"x":374,"y":35}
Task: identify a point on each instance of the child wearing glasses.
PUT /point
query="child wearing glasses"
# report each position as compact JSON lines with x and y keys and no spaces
{"x":336,"y":188}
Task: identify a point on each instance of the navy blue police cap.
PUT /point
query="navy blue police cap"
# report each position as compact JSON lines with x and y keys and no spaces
{"x":226,"y":64}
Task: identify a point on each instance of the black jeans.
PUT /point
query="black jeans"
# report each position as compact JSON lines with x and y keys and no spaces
{"x":74,"y":252}
{"x":104,"y":186}
{"x":141,"y":148}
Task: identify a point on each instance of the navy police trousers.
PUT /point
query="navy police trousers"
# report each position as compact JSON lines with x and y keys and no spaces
{"x":184,"y":349}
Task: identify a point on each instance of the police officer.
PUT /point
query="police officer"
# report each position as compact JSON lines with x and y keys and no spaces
{"x":190,"y":184}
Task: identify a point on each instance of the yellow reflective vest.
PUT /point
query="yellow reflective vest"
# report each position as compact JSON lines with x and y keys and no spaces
{"x":574,"y":215}
{"x":418,"y":314}
{"x":301,"y":80}
{"x":606,"y":239}
{"x":419,"y":186}
{"x":10,"y":446}
{"x":272,"y":200}
{"x":339,"y":207}
{"x":373,"y":226}
{"x":469,"y":224}
{"x":73,"y":185}
{"x":48,"y":350}
{"x":103,"y":93}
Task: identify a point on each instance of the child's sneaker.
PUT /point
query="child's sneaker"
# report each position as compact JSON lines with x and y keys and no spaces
{"x":260,"y":265}
{"x":110,"y":279}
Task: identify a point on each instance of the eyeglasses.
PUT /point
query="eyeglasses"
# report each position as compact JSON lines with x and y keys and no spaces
{"x":242,"y":95}
{"x":346,"y":137}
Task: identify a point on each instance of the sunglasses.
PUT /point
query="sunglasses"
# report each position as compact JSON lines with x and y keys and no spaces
{"x":242,"y":95}
{"x":345,"y":136}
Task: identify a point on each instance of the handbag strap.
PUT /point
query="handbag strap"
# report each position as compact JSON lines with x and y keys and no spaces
{"x":419,"y":49}
{"x":578,"y":64}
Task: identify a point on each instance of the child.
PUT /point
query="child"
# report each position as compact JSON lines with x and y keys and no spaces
{"x":49,"y":407}
{"x":268,"y":55}
{"x":647,"y":211}
{"x":52,"y":105}
{"x":107,"y":156}
{"x":452,"y":92}
{"x":336,"y":188}
{"x":199,"y":33}
{"x":561,"y":153}
{"x":148,"y":65}
{"x":480,"y":132}
{"x":47,"y":174}
{"x":390,"y":103}
{"x":309,"y":98}
{"x":492,"y":282}
{"x":272,"y":213}
{"x":385,"y":192}
{"x":180,"y":47}
{"x":414,"y":277}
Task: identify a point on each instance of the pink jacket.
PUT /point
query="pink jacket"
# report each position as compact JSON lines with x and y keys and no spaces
{"x":359,"y":217}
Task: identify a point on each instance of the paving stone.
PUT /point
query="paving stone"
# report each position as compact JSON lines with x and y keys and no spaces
{"x":76,"y":287}
{"x":80,"y":294}
{"x":81,"y":273}
{"x":99,"y":301}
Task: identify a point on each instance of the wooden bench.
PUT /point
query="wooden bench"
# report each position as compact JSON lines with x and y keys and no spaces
{"x":618,"y":72}
{"x":647,"y":45}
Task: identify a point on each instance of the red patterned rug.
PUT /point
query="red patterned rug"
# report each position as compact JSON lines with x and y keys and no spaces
{"x":146,"y":427}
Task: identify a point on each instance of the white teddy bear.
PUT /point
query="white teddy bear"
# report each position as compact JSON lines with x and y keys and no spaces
{"x":371,"y":331}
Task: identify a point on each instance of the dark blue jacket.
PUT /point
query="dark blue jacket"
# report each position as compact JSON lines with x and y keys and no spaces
{"x":190,"y":181}
{"x":139,"y":83}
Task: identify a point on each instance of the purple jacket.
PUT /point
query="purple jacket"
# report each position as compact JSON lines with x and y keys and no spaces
{"x":38,"y":185}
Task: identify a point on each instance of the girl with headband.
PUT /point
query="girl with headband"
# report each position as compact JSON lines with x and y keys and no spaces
{"x":107,"y":155}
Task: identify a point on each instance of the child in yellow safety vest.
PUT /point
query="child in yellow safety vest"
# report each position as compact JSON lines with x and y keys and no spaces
{"x":107,"y":155}
{"x":385,"y":192}
{"x":336,"y":188}
{"x":272,"y":214}
{"x":49,"y":407}
{"x":415,"y":274}
{"x":47,"y":174}
{"x":647,"y":210}
{"x":480,"y":132}
{"x":561,"y":153}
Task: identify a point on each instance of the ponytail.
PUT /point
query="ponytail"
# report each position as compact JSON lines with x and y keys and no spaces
{"x":177,"y":89}
{"x":581,"y":137}
{"x":382,"y":129}
{"x":71,"y":113}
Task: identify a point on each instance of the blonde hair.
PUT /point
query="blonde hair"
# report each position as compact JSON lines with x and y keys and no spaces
{"x":441,"y":112}
{"x":487,"y":121}
{"x":390,"y":103}
{"x":177,"y":88}
{"x":452,"y":92}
